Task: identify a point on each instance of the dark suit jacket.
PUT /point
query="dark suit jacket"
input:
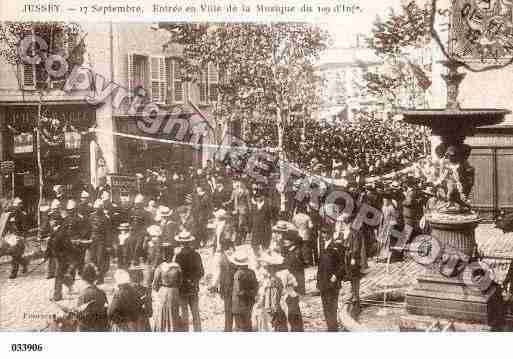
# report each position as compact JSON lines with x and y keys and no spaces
{"x":61,"y":244}
{"x":245,"y":287}
{"x":192,"y":270}
{"x":261,"y":219}
{"x":331,"y":263}
{"x":94,"y":317}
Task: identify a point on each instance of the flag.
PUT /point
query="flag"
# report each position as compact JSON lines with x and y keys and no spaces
{"x":422,"y":79}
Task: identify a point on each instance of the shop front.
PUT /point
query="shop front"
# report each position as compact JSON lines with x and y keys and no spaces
{"x":139,"y":152}
{"x":64,"y":150}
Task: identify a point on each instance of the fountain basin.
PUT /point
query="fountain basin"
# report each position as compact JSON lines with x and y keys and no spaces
{"x":461,"y":121}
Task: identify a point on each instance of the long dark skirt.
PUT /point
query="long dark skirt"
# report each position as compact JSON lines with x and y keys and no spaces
{"x":167,"y":313}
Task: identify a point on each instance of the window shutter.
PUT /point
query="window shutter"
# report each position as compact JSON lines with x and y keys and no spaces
{"x":130,"y":72}
{"x":203,"y":87}
{"x":177,"y":82}
{"x":29,"y":76}
{"x":213,"y":82}
{"x":158,"y":79}
{"x":169,"y":84}
{"x":162,"y":79}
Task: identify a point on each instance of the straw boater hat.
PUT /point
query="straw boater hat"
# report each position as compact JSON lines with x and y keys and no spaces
{"x":84,"y":194}
{"x":124,"y":227}
{"x":163,"y":211}
{"x":154,"y":231}
{"x":273,"y":259}
{"x":184,"y":237}
{"x":239,"y":258}
{"x":281,"y":226}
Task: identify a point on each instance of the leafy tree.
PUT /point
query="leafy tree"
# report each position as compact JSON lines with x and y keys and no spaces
{"x":266,"y":70}
{"x":396,"y":39}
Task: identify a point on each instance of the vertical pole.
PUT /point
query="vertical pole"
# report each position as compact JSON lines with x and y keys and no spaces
{"x":12,"y":184}
{"x":39,"y":169}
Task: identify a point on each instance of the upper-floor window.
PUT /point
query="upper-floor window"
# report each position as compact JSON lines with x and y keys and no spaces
{"x":59,"y":42}
{"x":209,"y":83}
{"x":159,"y":75}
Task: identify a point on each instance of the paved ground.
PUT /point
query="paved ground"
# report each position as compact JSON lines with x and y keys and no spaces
{"x":24,"y":303}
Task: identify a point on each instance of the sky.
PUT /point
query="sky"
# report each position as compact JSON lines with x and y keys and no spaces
{"x":345,"y":31}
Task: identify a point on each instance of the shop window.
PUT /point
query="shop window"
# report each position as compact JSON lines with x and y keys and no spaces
{"x":23,"y":143}
{"x":72,"y":140}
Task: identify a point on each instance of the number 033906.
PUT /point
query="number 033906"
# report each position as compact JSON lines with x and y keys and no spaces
{"x":27,"y":347}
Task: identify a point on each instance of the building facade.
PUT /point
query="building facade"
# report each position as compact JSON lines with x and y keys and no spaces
{"x":92,"y":123}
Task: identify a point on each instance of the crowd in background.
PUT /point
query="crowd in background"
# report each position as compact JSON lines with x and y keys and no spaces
{"x":373,"y":146}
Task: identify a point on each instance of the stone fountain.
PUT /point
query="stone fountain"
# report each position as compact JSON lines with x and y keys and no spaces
{"x":454,"y":285}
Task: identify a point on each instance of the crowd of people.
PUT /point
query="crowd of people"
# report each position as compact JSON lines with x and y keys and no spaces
{"x":366,"y":144}
{"x":152,"y":241}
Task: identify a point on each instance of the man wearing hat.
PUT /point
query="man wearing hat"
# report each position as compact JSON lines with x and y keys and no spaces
{"x":62,"y":247}
{"x":54,"y":211}
{"x":99,"y":237}
{"x":125,"y":246}
{"x":192,"y":271}
{"x":202,"y":208}
{"x":239,"y":201}
{"x":19,"y":215}
{"x":167,"y":225}
{"x":94,"y":317}
{"x":261,"y":217}
{"x":13,"y":244}
{"x":245,"y":289}
{"x":139,"y":221}
{"x":77,"y":231}
{"x":329,"y":276}
{"x":293,"y":258}
{"x":222,"y":279}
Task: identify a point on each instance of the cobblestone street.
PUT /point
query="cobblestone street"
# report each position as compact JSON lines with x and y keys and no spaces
{"x":25,"y":305}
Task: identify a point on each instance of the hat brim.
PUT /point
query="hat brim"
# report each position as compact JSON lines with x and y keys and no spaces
{"x":238,"y":263}
{"x":185,"y":240}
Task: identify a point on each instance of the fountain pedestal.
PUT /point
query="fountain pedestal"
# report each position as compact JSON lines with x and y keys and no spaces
{"x":449,"y":288}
